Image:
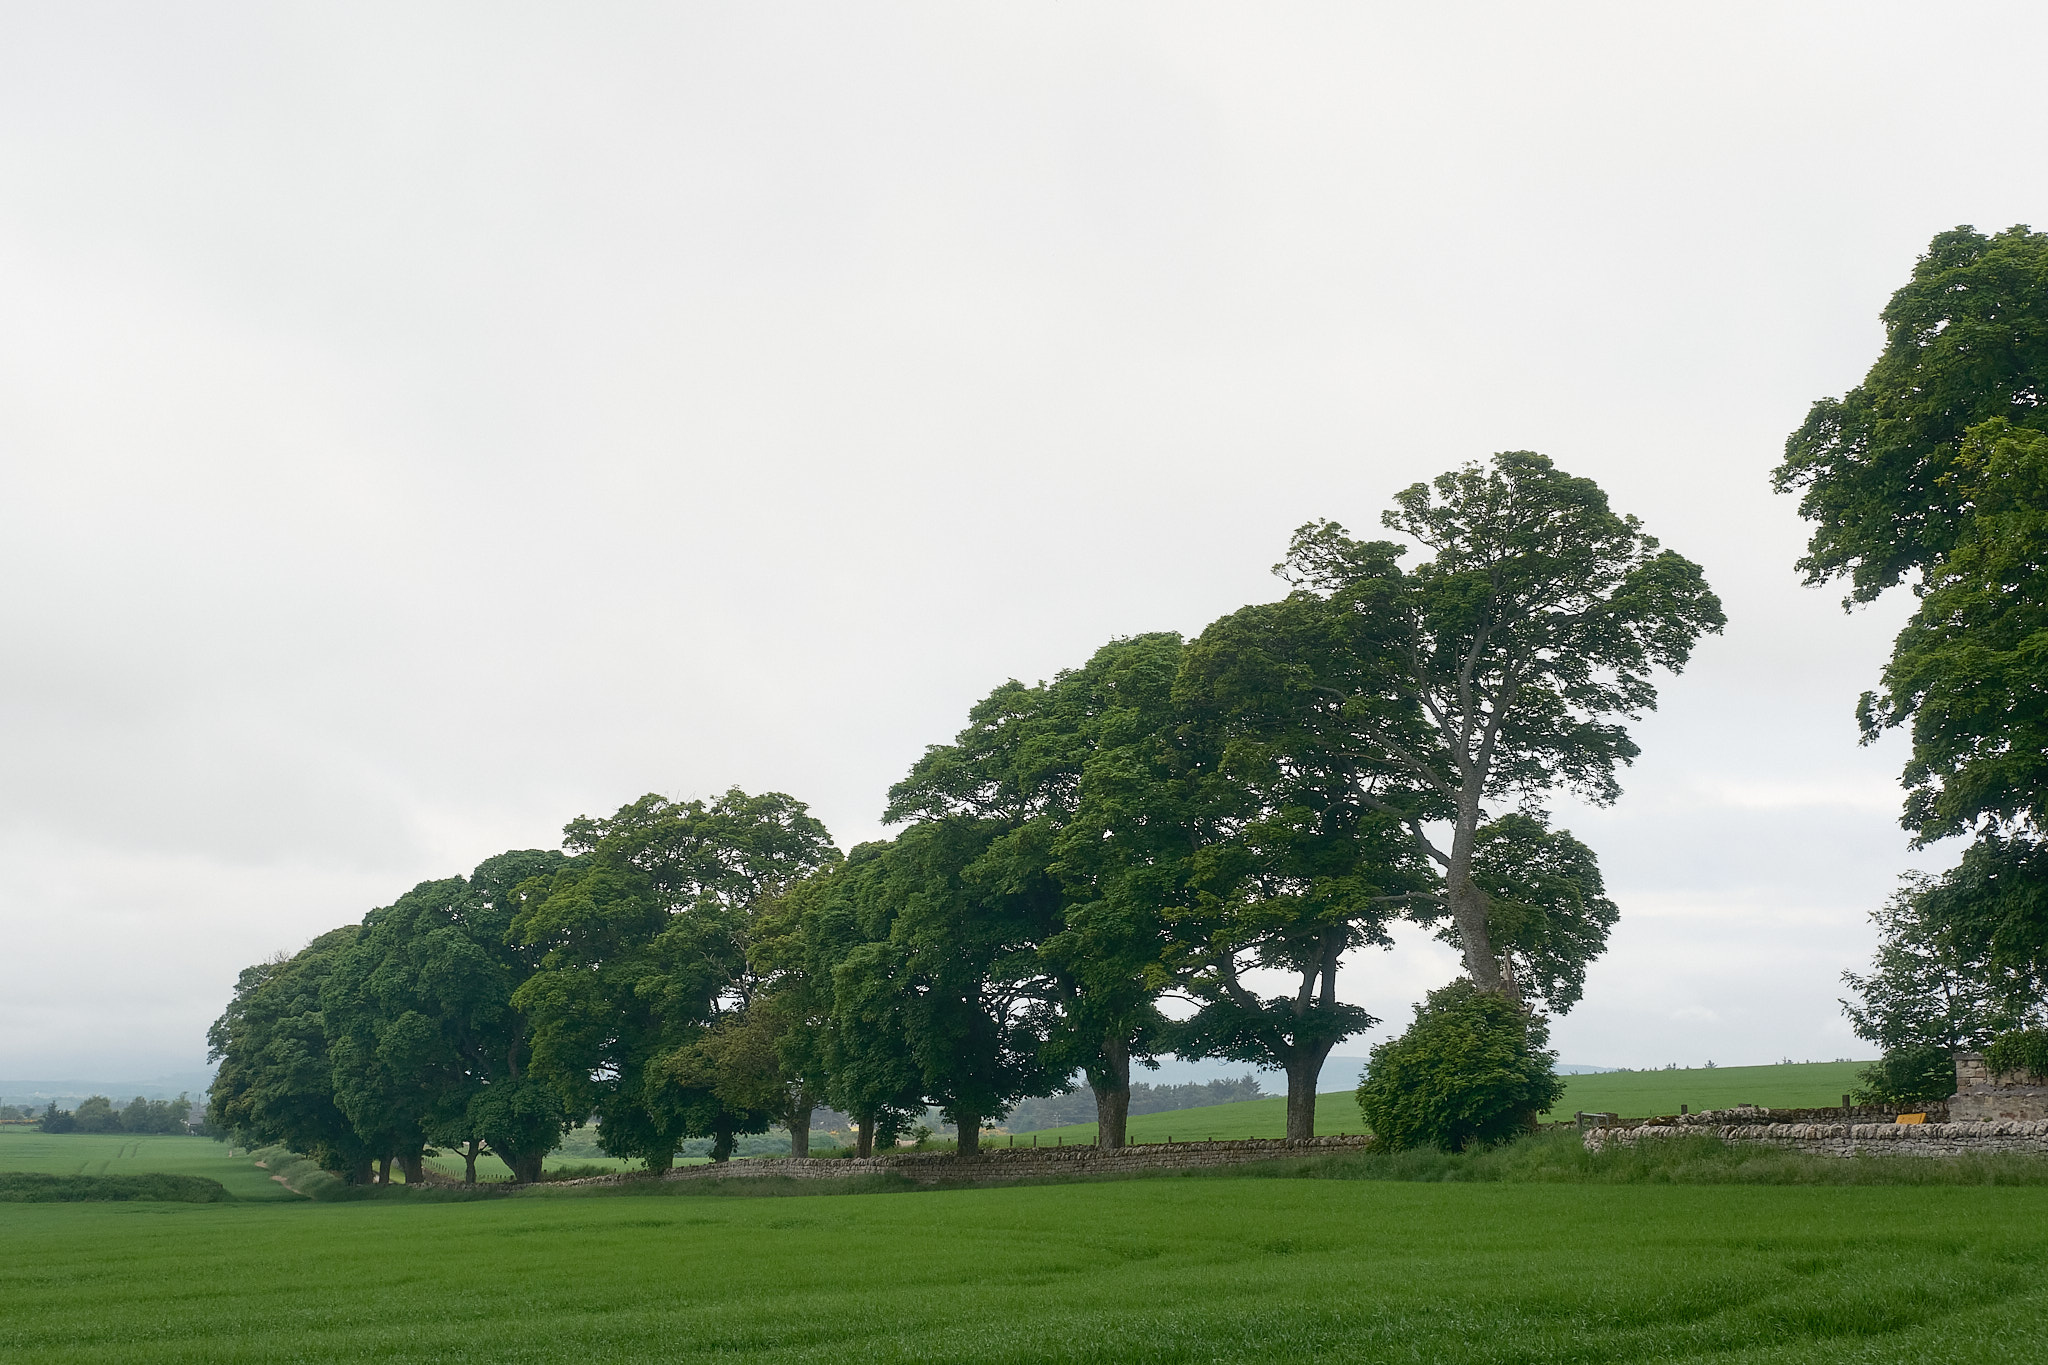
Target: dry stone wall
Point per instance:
(1848, 1139)
(1023, 1163)
(1005, 1163)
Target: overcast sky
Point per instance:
(422, 425)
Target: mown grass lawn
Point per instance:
(1174, 1269)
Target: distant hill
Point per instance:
(1632, 1094)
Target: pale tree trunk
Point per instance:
(1111, 1081)
(469, 1155)
(1468, 903)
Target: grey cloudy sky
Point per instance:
(424, 424)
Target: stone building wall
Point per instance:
(1984, 1095)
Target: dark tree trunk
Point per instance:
(967, 1134)
(359, 1172)
(864, 1136)
(527, 1167)
(1303, 1070)
(1111, 1080)
(800, 1131)
(384, 1169)
(721, 1145)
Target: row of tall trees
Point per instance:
(1214, 822)
(1933, 474)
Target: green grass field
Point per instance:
(1163, 1270)
(116, 1154)
(1632, 1094)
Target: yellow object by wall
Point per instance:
(1912, 1118)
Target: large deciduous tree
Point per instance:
(1936, 466)
(827, 943)
(1038, 769)
(1969, 673)
(1290, 859)
(427, 1043)
(1502, 669)
(644, 971)
(959, 969)
(275, 1081)
(1966, 341)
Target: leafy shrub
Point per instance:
(1920, 1074)
(2023, 1051)
(1470, 1071)
(27, 1187)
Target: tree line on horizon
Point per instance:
(97, 1114)
(1933, 474)
(1218, 819)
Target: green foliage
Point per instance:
(1471, 1070)
(1061, 776)
(1969, 672)
(1932, 988)
(1966, 342)
(957, 971)
(276, 1077)
(23, 1187)
(1913, 1073)
(425, 1042)
(2022, 1052)
(642, 949)
(1504, 667)
(96, 1114)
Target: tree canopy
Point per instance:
(1966, 342)
(1173, 846)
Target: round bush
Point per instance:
(1921, 1074)
(1470, 1071)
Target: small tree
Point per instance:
(1929, 987)
(1471, 1070)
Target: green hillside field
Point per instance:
(123, 1154)
(1632, 1094)
(1153, 1271)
